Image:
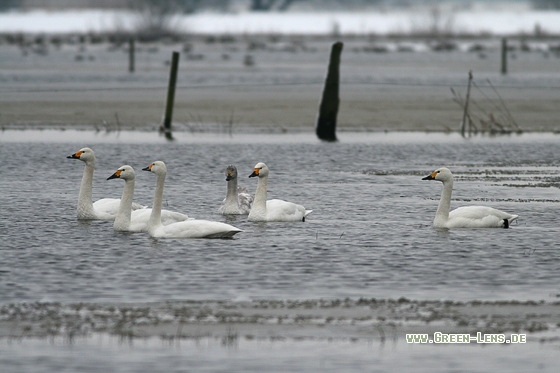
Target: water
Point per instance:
(369, 235)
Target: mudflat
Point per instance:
(275, 84)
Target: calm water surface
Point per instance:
(370, 234)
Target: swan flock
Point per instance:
(129, 216)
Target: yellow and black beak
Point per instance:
(149, 168)
(229, 176)
(431, 176)
(116, 175)
(75, 155)
(255, 172)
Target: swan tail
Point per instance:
(508, 221)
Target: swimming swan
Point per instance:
(184, 229)
(103, 209)
(274, 209)
(137, 220)
(238, 201)
(467, 216)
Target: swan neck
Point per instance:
(122, 220)
(155, 216)
(442, 214)
(231, 190)
(85, 202)
(258, 210)
(260, 194)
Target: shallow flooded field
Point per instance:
(369, 236)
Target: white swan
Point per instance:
(103, 209)
(184, 229)
(238, 201)
(274, 209)
(467, 216)
(137, 220)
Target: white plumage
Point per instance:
(103, 209)
(137, 220)
(192, 228)
(467, 216)
(238, 201)
(274, 209)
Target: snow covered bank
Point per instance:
(396, 21)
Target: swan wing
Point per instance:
(139, 219)
(107, 208)
(137, 206)
(245, 200)
(195, 228)
(478, 217)
(279, 210)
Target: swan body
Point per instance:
(137, 220)
(103, 209)
(238, 201)
(274, 209)
(193, 228)
(466, 216)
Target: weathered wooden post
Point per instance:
(504, 56)
(131, 55)
(328, 108)
(166, 126)
(466, 116)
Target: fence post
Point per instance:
(328, 108)
(466, 116)
(504, 56)
(131, 55)
(166, 127)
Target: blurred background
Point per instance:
(262, 63)
(399, 16)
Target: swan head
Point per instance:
(84, 154)
(442, 174)
(124, 172)
(231, 172)
(157, 167)
(260, 170)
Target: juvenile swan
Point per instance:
(238, 201)
(467, 216)
(274, 209)
(137, 220)
(184, 229)
(104, 209)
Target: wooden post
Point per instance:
(131, 55)
(466, 117)
(504, 56)
(166, 127)
(328, 108)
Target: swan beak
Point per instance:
(116, 175)
(149, 168)
(431, 176)
(75, 155)
(255, 172)
(229, 176)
